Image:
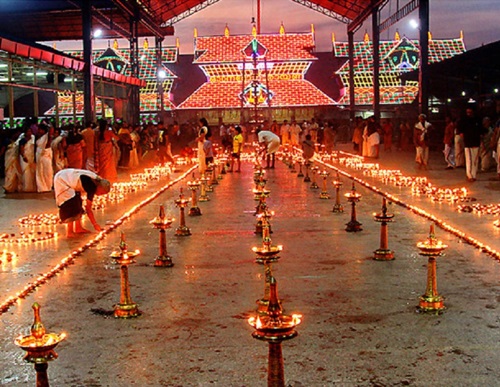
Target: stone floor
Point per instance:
(359, 323)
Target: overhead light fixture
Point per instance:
(97, 33)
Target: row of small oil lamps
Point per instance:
(69, 259)
(26, 238)
(480, 209)
(38, 220)
(439, 222)
(419, 185)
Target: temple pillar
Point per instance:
(88, 78)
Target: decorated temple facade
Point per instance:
(397, 57)
(255, 77)
(118, 60)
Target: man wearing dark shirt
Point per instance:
(470, 128)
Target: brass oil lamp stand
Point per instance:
(262, 205)
(260, 184)
(266, 255)
(193, 186)
(300, 174)
(383, 253)
(431, 301)
(162, 223)
(208, 185)
(215, 168)
(324, 191)
(314, 171)
(182, 203)
(275, 327)
(126, 308)
(353, 197)
(337, 207)
(263, 219)
(203, 193)
(222, 168)
(307, 178)
(39, 347)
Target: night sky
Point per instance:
(479, 19)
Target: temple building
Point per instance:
(397, 56)
(255, 77)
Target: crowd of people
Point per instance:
(34, 154)
(470, 141)
(31, 156)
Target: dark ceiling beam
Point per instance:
(108, 22)
(177, 14)
(143, 15)
(365, 14)
(323, 10)
(400, 13)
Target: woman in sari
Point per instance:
(44, 170)
(134, 153)
(57, 145)
(27, 161)
(75, 145)
(203, 134)
(12, 167)
(106, 146)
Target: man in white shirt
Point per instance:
(269, 143)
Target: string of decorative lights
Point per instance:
(70, 258)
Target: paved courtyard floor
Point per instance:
(359, 325)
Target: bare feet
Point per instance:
(81, 231)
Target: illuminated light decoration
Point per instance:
(256, 94)
(112, 60)
(149, 101)
(396, 57)
(70, 258)
(228, 64)
(65, 101)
